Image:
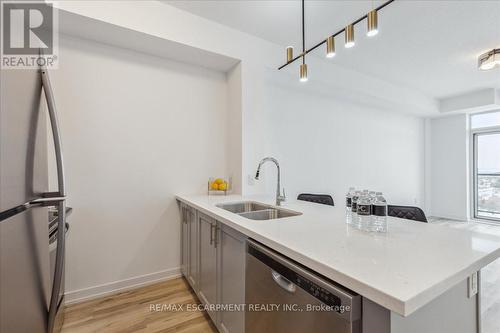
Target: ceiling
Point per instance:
(430, 46)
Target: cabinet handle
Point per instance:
(216, 238)
(211, 233)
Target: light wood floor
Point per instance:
(130, 312)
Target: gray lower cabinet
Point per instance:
(231, 280)
(207, 287)
(213, 262)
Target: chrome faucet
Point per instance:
(279, 198)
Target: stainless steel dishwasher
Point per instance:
(282, 296)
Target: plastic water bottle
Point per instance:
(354, 202)
(354, 208)
(348, 205)
(348, 199)
(379, 213)
(364, 211)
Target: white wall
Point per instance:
(448, 189)
(326, 145)
(137, 130)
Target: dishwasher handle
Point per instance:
(283, 282)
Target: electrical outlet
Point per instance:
(472, 285)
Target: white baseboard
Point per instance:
(106, 289)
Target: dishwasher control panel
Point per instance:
(320, 293)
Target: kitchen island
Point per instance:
(402, 274)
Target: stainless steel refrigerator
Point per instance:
(30, 296)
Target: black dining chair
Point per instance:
(323, 199)
(407, 212)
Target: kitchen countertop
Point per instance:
(402, 269)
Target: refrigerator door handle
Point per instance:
(55, 198)
(48, 201)
(49, 96)
(59, 266)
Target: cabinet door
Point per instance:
(192, 260)
(208, 261)
(184, 241)
(231, 278)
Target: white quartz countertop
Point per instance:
(402, 269)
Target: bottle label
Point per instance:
(379, 210)
(364, 209)
(354, 206)
(348, 202)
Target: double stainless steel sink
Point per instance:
(257, 211)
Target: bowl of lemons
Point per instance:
(219, 185)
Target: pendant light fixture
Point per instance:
(330, 47)
(349, 36)
(289, 53)
(489, 60)
(372, 30)
(303, 67)
(372, 23)
(303, 73)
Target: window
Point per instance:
(486, 160)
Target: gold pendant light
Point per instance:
(303, 67)
(349, 36)
(330, 47)
(289, 53)
(303, 73)
(372, 23)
